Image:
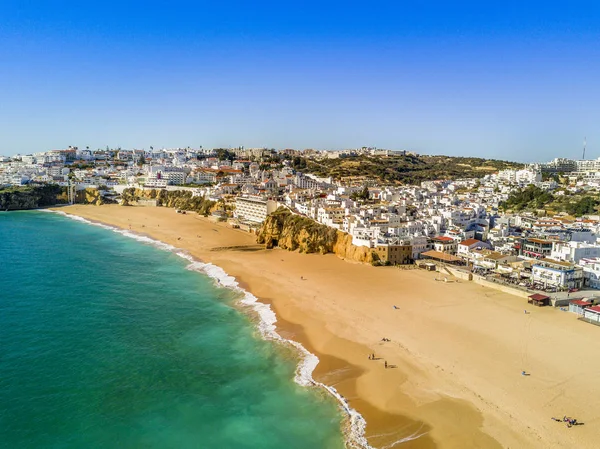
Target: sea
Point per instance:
(113, 340)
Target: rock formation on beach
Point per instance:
(295, 232)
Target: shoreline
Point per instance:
(339, 311)
(268, 326)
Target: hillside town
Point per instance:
(459, 223)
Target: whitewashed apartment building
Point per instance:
(253, 209)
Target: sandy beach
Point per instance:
(456, 349)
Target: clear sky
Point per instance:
(512, 80)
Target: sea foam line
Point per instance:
(355, 433)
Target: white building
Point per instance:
(156, 182)
(175, 176)
(523, 177)
(588, 165)
(561, 275)
(591, 272)
(419, 245)
(467, 245)
(331, 216)
(574, 251)
(592, 313)
(159, 173)
(253, 208)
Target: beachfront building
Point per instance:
(557, 274)
(490, 260)
(591, 272)
(592, 314)
(253, 209)
(441, 257)
(578, 306)
(444, 244)
(468, 245)
(399, 253)
(419, 245)
(538, 300)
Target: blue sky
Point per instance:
(508, 80)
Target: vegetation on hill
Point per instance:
(407, 169)
(179, 199)
(224, 154)
(32, 197)
(583, 206)
(533, 198)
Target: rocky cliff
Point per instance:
(295, 232)
(179, 199)
(91, 196)
(346, 250)
(31, 197)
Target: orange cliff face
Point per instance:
(294, 232)
(346, 250)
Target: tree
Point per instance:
(298, 163)
(224, 154)
(531, 197)
(362, 195)
(586, 205)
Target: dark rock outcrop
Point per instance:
(32, 197)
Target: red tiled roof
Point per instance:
(441, 256)
(594, 309)
(538, 297)
(470, 242)
(580, 302)
(444, 239)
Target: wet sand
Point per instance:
(456, 351)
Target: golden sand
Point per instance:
(456, 351)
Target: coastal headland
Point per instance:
(455, 351)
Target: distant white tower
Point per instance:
(584, 145)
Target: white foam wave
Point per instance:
(357, 424)
(355, 432)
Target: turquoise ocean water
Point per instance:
(106, 342)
